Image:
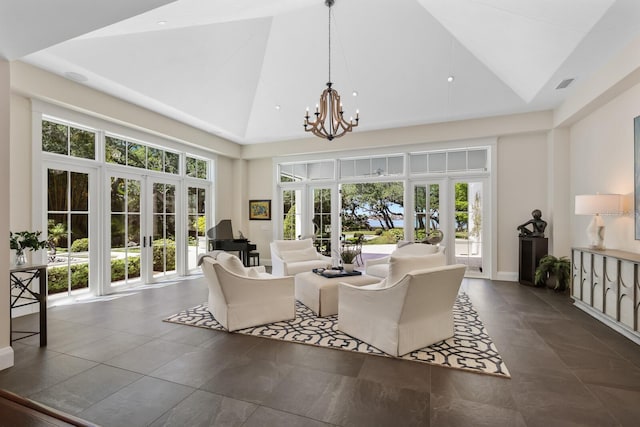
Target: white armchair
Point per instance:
(406, 315)
(379, 267)
(290, 257)
(241, 297)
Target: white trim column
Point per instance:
(6, 352)
(558, 202)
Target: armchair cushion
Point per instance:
(377, 270)
(232, 263)
(401, 265)
(415, 249)
(299, 255)
(290, 257)
(379, 267)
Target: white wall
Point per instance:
(260, 188)
(224, 189)
(32, 82)
(522, 187)
(6, 352)
(602, 160)
(19, 199)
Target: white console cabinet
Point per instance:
(605, 285)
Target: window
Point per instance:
(471, 160)
(372, 167)
(196, 168)
(141, 235)
(142, 156)
(312, 171)
(67, 140)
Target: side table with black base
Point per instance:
(21, 277)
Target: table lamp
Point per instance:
(597, 205)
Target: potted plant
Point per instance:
(553, 271)
(22, 240)
(348, 256)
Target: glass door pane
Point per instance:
(196, 225)
(322, 219)
(426, 213)
(125, 235)
(469, 226)
(67, 230)
(164, 229)
(372, 214)
(291, 214)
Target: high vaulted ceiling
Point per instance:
(224, 65)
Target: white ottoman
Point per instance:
(320, 293)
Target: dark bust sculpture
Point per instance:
(537, 225)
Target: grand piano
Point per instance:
(221, 238)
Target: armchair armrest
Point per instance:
(236, 288)
(381, 304)
(375, 261)
(325, 258)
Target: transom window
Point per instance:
(58, 138)
(308, 171)
(138, 155)
(196, 168)
(471, 160)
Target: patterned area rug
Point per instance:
(470, 348)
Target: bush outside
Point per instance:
(80, 245)
(158, 255)
(58, 276)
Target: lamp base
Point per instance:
(595, 233)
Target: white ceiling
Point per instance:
(224, 65)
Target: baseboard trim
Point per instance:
(507, 276)
(6, 357)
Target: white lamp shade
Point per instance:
(602, 204)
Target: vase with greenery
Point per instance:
(23, 240)
(553, 271)
(348, 256)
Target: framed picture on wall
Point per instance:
(260, 209)
(636, 174)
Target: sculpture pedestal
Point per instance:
(532, 249)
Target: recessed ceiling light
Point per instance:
(277, 107)
(450, 79)
(76, 77)
(162, 22)
(354, 93)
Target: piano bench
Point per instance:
(254, 258)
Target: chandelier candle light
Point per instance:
(329, 122)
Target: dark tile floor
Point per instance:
(117, 364)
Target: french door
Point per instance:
(428, 219)
(322, 227)
(141, 231)
(291, 211)
(197, 202)
(72, 238)
(470, 219)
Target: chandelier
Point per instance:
(329, 122)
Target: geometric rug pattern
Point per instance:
(470, 348)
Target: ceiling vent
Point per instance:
(563, 84)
